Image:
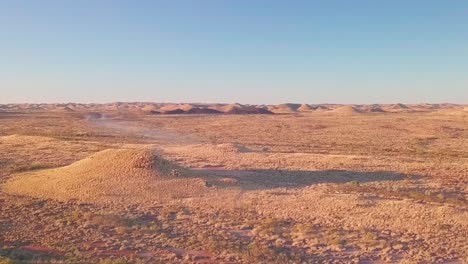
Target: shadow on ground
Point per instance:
(21, 252)
(268, 179)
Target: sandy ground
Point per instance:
(344, 184)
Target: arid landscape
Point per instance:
(233, 183)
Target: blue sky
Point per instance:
(234, 51)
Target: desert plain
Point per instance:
(232, 183)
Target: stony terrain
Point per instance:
(177, 183)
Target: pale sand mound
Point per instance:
(187, 109)
(322, 108)
(305, 108)
(231, 108)
(284, 108)
(377, 109)
(172, 107)
(347, 110)
(61, 109)
(122, 176)
(202, 110)
(193, 110)
(397, 108)
(149, 108)
(237, 109)
(373, 109)
(453, 112)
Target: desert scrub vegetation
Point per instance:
(169, 212)
(231, 236)
(28, 167)
(127, 261)
(269, 240)
(414, 193)
(120, 261)
(370, 240)
(271, 226)
(119, 222)
(6, 260)
(24, 256)
(260, 253)
(303, 231)
(256, 251)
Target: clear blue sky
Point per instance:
(234, 51)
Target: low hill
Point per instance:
(305, 108)
(124, 176)
(347, 110)
(284, 108)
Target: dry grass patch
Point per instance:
(415, 193)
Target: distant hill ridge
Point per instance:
(230, 109)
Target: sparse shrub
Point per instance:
(180, 215)
(441, 196)
(407, 181)
(76, 215)
(259, 252)
(88, 216)
(168, 213)
(383, 243)
(279, 242)
(269, 226)
(113, 261)
(457, 201)
(29, 167)
(369, 239)
(337, 241)
(110, 220)
(5, 260)
(354, 183)
(229, 181)
(303, 230)
(445, 226)
(121, 230)
(369, 236)
(175, 173)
